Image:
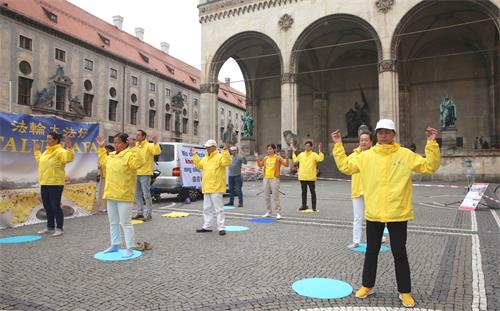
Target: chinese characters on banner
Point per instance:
(20, 202)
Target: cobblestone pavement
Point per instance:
(454, 258)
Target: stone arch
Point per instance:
(299, 43)
(449, 48)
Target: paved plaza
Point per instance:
(454, 259)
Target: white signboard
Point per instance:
(191, 176)
(473, 197)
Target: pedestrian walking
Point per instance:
(51, 175)
(308, 172)
(235, 182)
(386, 177)
(121, 168)
(213, 184)
(272, 163)
(146, 151)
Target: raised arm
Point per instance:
(154, 148)
(69, 154)
(432, 159)
(196, 159)
(260, 162)
(36, 151)
(343, 164)
(135, 160)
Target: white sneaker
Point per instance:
(58, 232)
(384, 239)
(267, 215)
(46, 231)
(278, 216)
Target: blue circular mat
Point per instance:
(263, 220)
(236, 228)
(362, 248)
(20, 239)
(116, 256)
(322, 288)
(386, 231)
(229, 207)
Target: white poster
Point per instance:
(191, 176)
(473, 197)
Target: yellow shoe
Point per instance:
(407, 300)
(364, 292)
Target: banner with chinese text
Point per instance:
(20, 202)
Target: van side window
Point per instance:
(167, 153)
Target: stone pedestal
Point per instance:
(448, 140)
(247, 145)
(350, 143)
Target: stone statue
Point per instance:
(448, 113)
(178, 100)
(290, 138)
(43, 97)
(229, 136)
(76, 106)
(247, 125)
(358, 116)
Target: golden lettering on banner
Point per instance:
(37, 128)
(54, 129)
(82, 133)
(20, 127)
(69, 132)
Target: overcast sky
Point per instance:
(172, 21)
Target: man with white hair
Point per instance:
(213, 183)
(235, 181)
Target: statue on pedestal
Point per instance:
(447, 113)
(247, 125)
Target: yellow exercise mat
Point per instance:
(136, 221)
(309, 211)
(175, 214)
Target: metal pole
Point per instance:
(123, 98)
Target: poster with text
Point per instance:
(191, 176)
(20, 202)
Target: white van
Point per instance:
(169, 179)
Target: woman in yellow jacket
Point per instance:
(51, 164)
(213, 183)
(358, 205)
(271, 181)
(119, 191)
(385, 172)
(308, 172)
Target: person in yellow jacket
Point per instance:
(121, 168)
(308, 172)
(51, 173)
(101, 202)
(147, 152)
(358, 205)
(385, 172)
(271, 181)
(213, 183)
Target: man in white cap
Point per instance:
(213, 183)
(235, 181)
(386, 177)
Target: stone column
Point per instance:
(388, 91)
(208, 111)
(404, 115)
(289, 105)
(320, 119)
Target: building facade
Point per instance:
(56, 58)
(313, 66)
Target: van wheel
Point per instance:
(193, 194)
(156, 197)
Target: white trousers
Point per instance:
(120, 214)
(213, 202)
(358, 208)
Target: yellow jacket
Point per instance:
(308, 164)
(356, 187)
(213, 175)
(385, 172)
(277, 164)
(51, 164)
(147, 151)
(121, 173)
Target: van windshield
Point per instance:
(167, 153)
